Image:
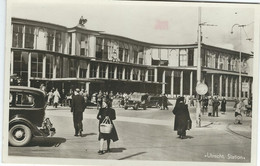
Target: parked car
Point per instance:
(154, 101)
(27, 115)
(136, 100)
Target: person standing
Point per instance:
(50, 96)
(77, 108)
(223, 106)
(238, 109)
(99, 99)
(56, 99)
(182, 118)
(106, 113)
(215, 104)
(164, 102)
(63, 97)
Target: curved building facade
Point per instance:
(67, 58)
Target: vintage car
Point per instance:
(154, 101)
(136, 100)
(27, 115)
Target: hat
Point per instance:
(77, 90)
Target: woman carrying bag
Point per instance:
(106, 115)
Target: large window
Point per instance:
(59, 67)
(73, 66)
(120, 54)
(29, 37)
(36, 65)
(58, 42)
(99, 48)
(107, 48)
(126, 55)
(111, 71)
(21, 64)
(141, 55)
(17, 35)
(119, 72)
(93, 70)
(135, 74)
(142, 75)
(151, 75)
(83, 69)
(102, 70)
(190, 57)
(50, 38)
(135, 57)
(183, 58)
(49, 66)
(127, 73)
(84, 45)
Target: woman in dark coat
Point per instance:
(182, 117)
(223, 106)
(106, 112)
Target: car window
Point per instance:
(24, 100)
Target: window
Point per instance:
(190, 57)
(151, 75)
(107, 48)
(23, 100)
(49, 66)
(142, 75)
(221, 62)
(58, 42)
(17, 36)
(135, 74)
(102, 71)
(50, 37)
(59, 67)
(36, 65)
(83, 69)
(183, 58)
(141, 55)
(119, 72)
(99, 48)
(73, 68)
(21, 64)
(111, 71)
(126, 55)
(120, 54)
(29, 37)
(93, 70)
(135, 57)
(70, 43)
(84, 45)
(127, 73)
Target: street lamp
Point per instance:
(240, 58)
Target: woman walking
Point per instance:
(56, 95)
(182, 118)
(223, 106)
(106, 113)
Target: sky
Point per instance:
(153, 22)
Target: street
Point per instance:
(145, 135)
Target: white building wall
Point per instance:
(92, 46)
(148, 56)
(41, 39)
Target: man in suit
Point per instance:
(215, 105)
(77, 108)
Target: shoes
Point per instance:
(100, 152)
(108, 150)
(80, 133)
(76, 135)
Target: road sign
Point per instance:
(201, 89)
(245, 87)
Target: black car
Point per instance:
(27, 115)
(136, 100)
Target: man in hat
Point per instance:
(77, 108)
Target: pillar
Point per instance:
(172, 83)
(106, 76)
(220, 85)
(231, 87)
(191, 82)
(163, 82)
(88, 70)
(29, 68)
(54, 39)
(155, 75)
(226, 89)
(123, 73)
(23, 37)
(35, 40)
(87, 87)
(97, 76)
(12, 62)
(78, 71)
(131, 74)
(212, 84)
(55, 67)
(115, 73)
(236, 84)
(73, 44)
(139, 75)
(181, 84)
(44, 67)
(146, 75)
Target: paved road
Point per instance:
(145, 135)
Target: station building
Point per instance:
(74, 57)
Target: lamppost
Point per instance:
(240, 59)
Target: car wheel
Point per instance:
(136, 107)
(126, 107)
(20, 135)
(144, 107)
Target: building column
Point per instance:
(12, 63)
(131, 74)
(249, 84)
(212, 85)
(231, 87)
(29, 68)
(163, 82)
(155, 75)
(243, 93)
(44, 67)
(23, 37)
(97, 76)
(123, 73)
(172, 83)
(73, 44)
(87, 87)
(78, 70)
(115, 73)
(191, 82)
(220, 85)
(236, 84)
(181, 84)
(88, 70)
(146, 75)
(139, 75)
(54, 39)
(226, 89)
(106, 76)
(35, 39)
(55, 68)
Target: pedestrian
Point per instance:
(69, 97)
(50, 96)
(99, 100)
(77, 108)
(215, 104)
(56, 98)
(238, 109)
(205, 102)
(182, 118)
(111, 98)
(192, 101)
(106, 113)
(63, 97)
(223, 106)
(164, 102)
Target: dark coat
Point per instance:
(223, 105)
(182, 116)
(215, 104)
(103, 112)
(164, 100)
(78, 106)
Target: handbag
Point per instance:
(106, 126)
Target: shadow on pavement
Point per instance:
(133, 155)
(47, 141)
(117, 150)
(87, 134)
